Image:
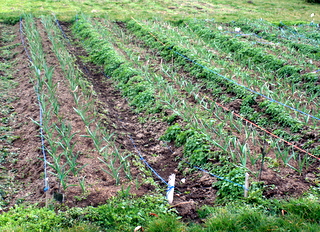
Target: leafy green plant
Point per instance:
(197, 149)
(32, 218)
(172, 133)
(137, 211)
(229, 191)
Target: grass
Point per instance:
(274, 215)
(127, 212)
(272, 10)
(253, 219)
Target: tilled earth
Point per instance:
(117, 117)
(131, 136)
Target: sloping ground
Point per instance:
(24, 167)
(144, 138)
(289, 182)
(271, 10)
(27, 169)
(136, 134)
(28, 165)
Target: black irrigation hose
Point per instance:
(211, 174)
(131, 139)
(64, 34)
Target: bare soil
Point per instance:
(117, 117)
(114, 113)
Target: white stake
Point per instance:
(170, 191)
(246, 185)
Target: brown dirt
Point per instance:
(28, 166)
(116, 116)
(234, 105)
(124, 122)
(288, 182)
(192, 190)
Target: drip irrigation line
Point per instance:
(237, 34)
(230, 80)
(63, 33)
(268, 43)
(294, 32)
(85, 69)
(145, 162)
(46, 180)
(311, 24)
(205, 171)
(148, 165)
(219, 177)
(263, 129)
(310, 41)
(105, 75)
(268, 132)
(46, 184)
(253, 42)
(22, 40)
(201, 169)
(253, 91)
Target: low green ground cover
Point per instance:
(272, 10)
(125, 212)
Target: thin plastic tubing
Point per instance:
(46, 182)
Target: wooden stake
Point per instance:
(47, 198)
(262, 160)
(182, 203)
(170, 191)
(246, 185)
